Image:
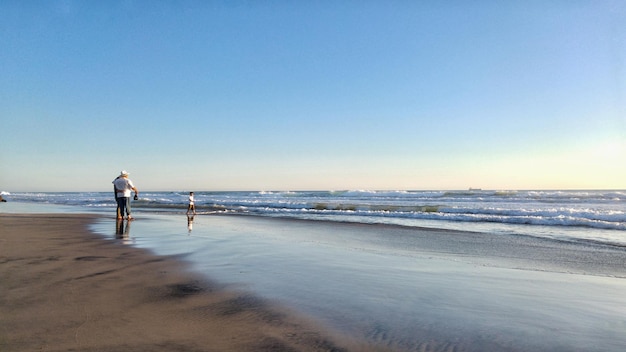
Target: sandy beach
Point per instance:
(64, 289)
(241, 283)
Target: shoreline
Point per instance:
(246, 283)
(410, 289)
(66, 288)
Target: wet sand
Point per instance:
(66, 289)
(410, 289)
(375, 287)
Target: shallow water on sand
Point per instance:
(386, 286)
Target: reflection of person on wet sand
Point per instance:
(189, 223)
(122, 232)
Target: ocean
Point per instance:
(570, 215)
(473, 270)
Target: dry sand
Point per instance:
(65, 289)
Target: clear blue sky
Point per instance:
(294, 95)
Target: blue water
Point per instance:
(572, 215)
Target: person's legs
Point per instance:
(128, 207)
(123, 201)
(120, 207)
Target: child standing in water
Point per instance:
(192, 206)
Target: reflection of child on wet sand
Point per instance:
(192, 206)
(189, 223)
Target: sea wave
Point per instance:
(430, 213)
(590, 209)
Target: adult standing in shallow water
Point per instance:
(123, 187)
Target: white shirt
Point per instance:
(124, 186)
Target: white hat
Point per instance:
(123, 173)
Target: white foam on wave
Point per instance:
(493, 209)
